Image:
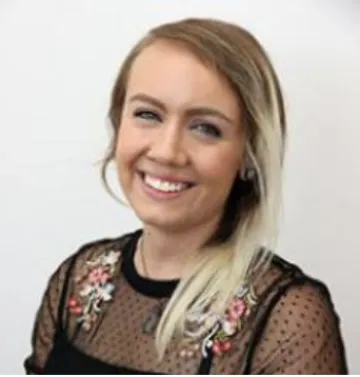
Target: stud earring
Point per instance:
(247, 174)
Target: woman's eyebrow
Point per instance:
(193, 111)
(142, 97)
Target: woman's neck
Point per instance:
(167, 255)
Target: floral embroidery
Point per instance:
(95, 287)
(218, 340)
(239, 308)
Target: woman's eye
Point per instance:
(208, 129)
(146, 115)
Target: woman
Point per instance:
(199, 134)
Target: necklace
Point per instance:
(153, 318)
(143, 261)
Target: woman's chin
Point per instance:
(163, 219)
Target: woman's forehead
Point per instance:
(173, 74)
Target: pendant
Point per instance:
(152, 320)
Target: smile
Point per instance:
(163, 189)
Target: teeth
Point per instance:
(164, 185)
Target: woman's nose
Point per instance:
(168, 146)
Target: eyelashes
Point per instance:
(147, 115)
(208, 129)
(204, 128)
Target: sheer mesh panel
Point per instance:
(301, 335)
(292, 330)
(46, 321)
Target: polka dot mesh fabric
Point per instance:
(292, 330)
(301, 335)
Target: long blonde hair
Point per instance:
(239, 251)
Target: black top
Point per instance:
(98, 316)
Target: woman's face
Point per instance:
(180, 141)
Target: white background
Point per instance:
(58, 60)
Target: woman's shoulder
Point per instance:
(297, 324)
(102, 246)
(287, 282)
(102, 252)
(282, 272)
(96, 248)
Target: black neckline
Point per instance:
(145, 286)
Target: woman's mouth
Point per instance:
(160, 188)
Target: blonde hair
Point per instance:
(239, 251)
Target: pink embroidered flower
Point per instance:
(98, 276)
(74, 306)
(219, 339)
(94, 287)
(216, 348)
(236, 309)
(219, 347)
(226, 346)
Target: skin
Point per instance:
(167, 129)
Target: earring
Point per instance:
(247, 174)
